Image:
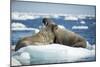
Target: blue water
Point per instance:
(89, 34)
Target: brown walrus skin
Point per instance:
(52, 34)
(45, 36)
(65, 36)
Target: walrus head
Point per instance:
(48, 21)
(49, 24)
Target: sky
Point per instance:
(38, 7)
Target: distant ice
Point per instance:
(79, 27)
(71, 18)
(56, 16)
(26, 16)
(23, 16)
(53, 53)
(30, 15)
(17, 25)
(20, 26)
(61, 26)
(82, 22)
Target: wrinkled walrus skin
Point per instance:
(45, 36)
(69, 38)
(65, 36)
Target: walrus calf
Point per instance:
(45, 36)
(65, 36)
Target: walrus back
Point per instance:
(43, 37)
(69, 38)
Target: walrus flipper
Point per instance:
(20, 45)
(80, 44)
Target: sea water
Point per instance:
(89, 33)
(54, 53)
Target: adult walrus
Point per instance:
(45, 36)
(65, 36)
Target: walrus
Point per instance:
(43, 37)
(65, 36)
